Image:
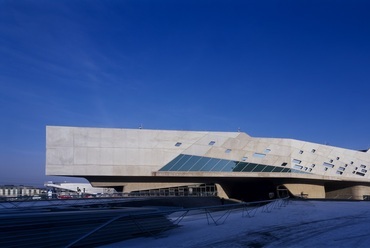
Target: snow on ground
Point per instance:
(302, 223)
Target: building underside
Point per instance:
(247, 189)
(242, 167)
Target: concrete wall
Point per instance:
(356, 192)
(306, 190)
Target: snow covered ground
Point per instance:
(301, 223)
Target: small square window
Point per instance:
(345, 165)
(313, 150)
(212, 143)
(227, 150)
(313, 165)
(331, 160)
(267, 151)
(351, 162)
(300, 152)
(326, 168)
(244, 158)
(178, 144)
(338, 158)
(284, 164)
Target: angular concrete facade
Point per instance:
(244, 167)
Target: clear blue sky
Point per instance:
(288, 69)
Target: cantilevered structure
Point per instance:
(242, 167)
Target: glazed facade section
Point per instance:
(188, 163)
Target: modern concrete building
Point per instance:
(240, 166)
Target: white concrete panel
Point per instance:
(80, 155)
(324, 150)
(111, 138)
(170, 135)
(227, 134)
(93, 155)
(256, 146)
(236, 143)
(59, 156)
(118, 156)
(279, 150)
(192, 137)
(59, 136)
(219, 139)
(297, 144)
(87, 137)
(106, 156)
(216, 152)
(235, 155)
(279, 141)
(219, 152)
(198, 150)
(148, 139)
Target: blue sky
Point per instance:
(289, 69)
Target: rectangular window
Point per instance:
(227, 150)
(341, 168)
(339, 172)
(178, 144)
(212, 143)
(297, 167)
(296, 161)
(259, 155)
(363, 170)
(360, 174)
(328, 165)
(284, 164)
(244, 158)
(362, 166)
(267, 151)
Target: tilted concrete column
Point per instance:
(306, 190)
